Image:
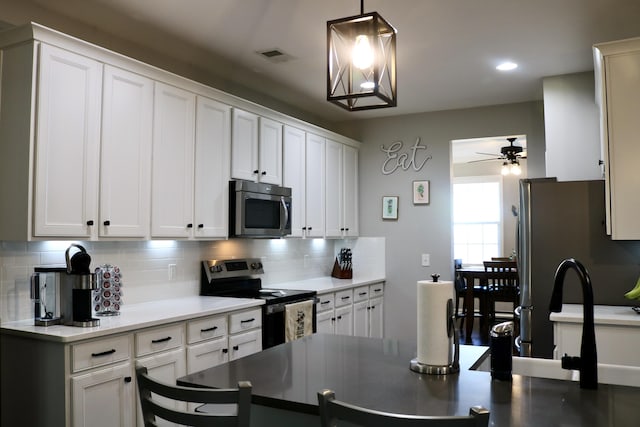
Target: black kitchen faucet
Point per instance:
(587, 363)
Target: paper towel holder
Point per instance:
(454, 366)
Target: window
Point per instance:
(477, 219)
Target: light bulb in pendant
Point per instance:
(362, 53)
(515, 169)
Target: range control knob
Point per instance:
(256, 265)
(215, 268)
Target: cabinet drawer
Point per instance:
(325, 302)
(159, 339)
(376, 290)
(206, 329)
(344, 297)
(244, 320)
(100, 353)
(361, 293)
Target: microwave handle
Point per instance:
(286, 214)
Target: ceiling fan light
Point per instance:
(505, 169)
(515, 168)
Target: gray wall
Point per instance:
(427, 228)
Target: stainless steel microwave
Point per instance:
(259, 210)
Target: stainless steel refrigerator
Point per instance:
(559, 220)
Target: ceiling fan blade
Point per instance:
(487, 154)
(485, 160)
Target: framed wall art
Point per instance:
(390, 207)
(420, 192)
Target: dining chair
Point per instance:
(238, 398)
(503, 286)
(480, 292)
(333, 411)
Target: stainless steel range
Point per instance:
(238, 278)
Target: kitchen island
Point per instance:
(375, 373)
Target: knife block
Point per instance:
(340, 273)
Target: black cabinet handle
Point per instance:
(345, 298)
(158, 341)
(347, 229)
(372, 307)
(127, 380)
(339, 317)
(304, 228)
(104, 353)
(90, 222)
(225, 350)
(200, 225)
(368, 308)
(333, 319)
(235, 348)
(209, 329)
(256, 171)
(324, 302)
(362, 293)
(310, 228)
(107, 223)
(248, 320)
(264, 172)
(189, 225)
(342, 229)
(377, 290)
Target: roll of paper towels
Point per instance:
(435, 347)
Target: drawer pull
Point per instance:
(344, 298)
(104, 353)
(161, 340)
(127, 380)
(362, 294)
(236, 348)
(209, 329)
(248, 320)
(325, 302)
(225, 350)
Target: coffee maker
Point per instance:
(62, 295)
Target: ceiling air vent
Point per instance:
(274, 55)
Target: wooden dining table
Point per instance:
(472, 276)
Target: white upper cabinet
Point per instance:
(270, 151)
(67, 144)
(617, 67)
(213, 144)
(293, 175)
(256, 148)
(342, 190)
(173, 162)
(125, 172)
(315, 186)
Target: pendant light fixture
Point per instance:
(361, 63)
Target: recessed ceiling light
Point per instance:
(507, 66)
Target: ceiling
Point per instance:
(447, 49)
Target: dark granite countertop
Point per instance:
(375, 373)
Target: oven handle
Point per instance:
(279, 307)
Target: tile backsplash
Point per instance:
(145, 265)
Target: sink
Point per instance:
(550, 368)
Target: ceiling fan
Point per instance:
(510, 153)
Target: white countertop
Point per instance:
(133, 316)
(324, 285)
(602, 314)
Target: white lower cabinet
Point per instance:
(104, 397)
(358, 312)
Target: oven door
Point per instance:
(273, 322)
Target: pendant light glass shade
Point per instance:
(361, 64)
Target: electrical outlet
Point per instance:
(172, 272)
(426, 260)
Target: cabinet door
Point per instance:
(172, 176)
(166, 367)
(245, 343)
(270, 152)
(207, 354)
(293, 175)
(104, 397)
(325, 322)
(623, 104)
(315, 186)
(350, 190)
(344, 320)
(244, 146)
(213, 144)
(125, 172)
(361, 319)
(333, 202)
(67, 144)
(376, 317)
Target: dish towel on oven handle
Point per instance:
(298, 320)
